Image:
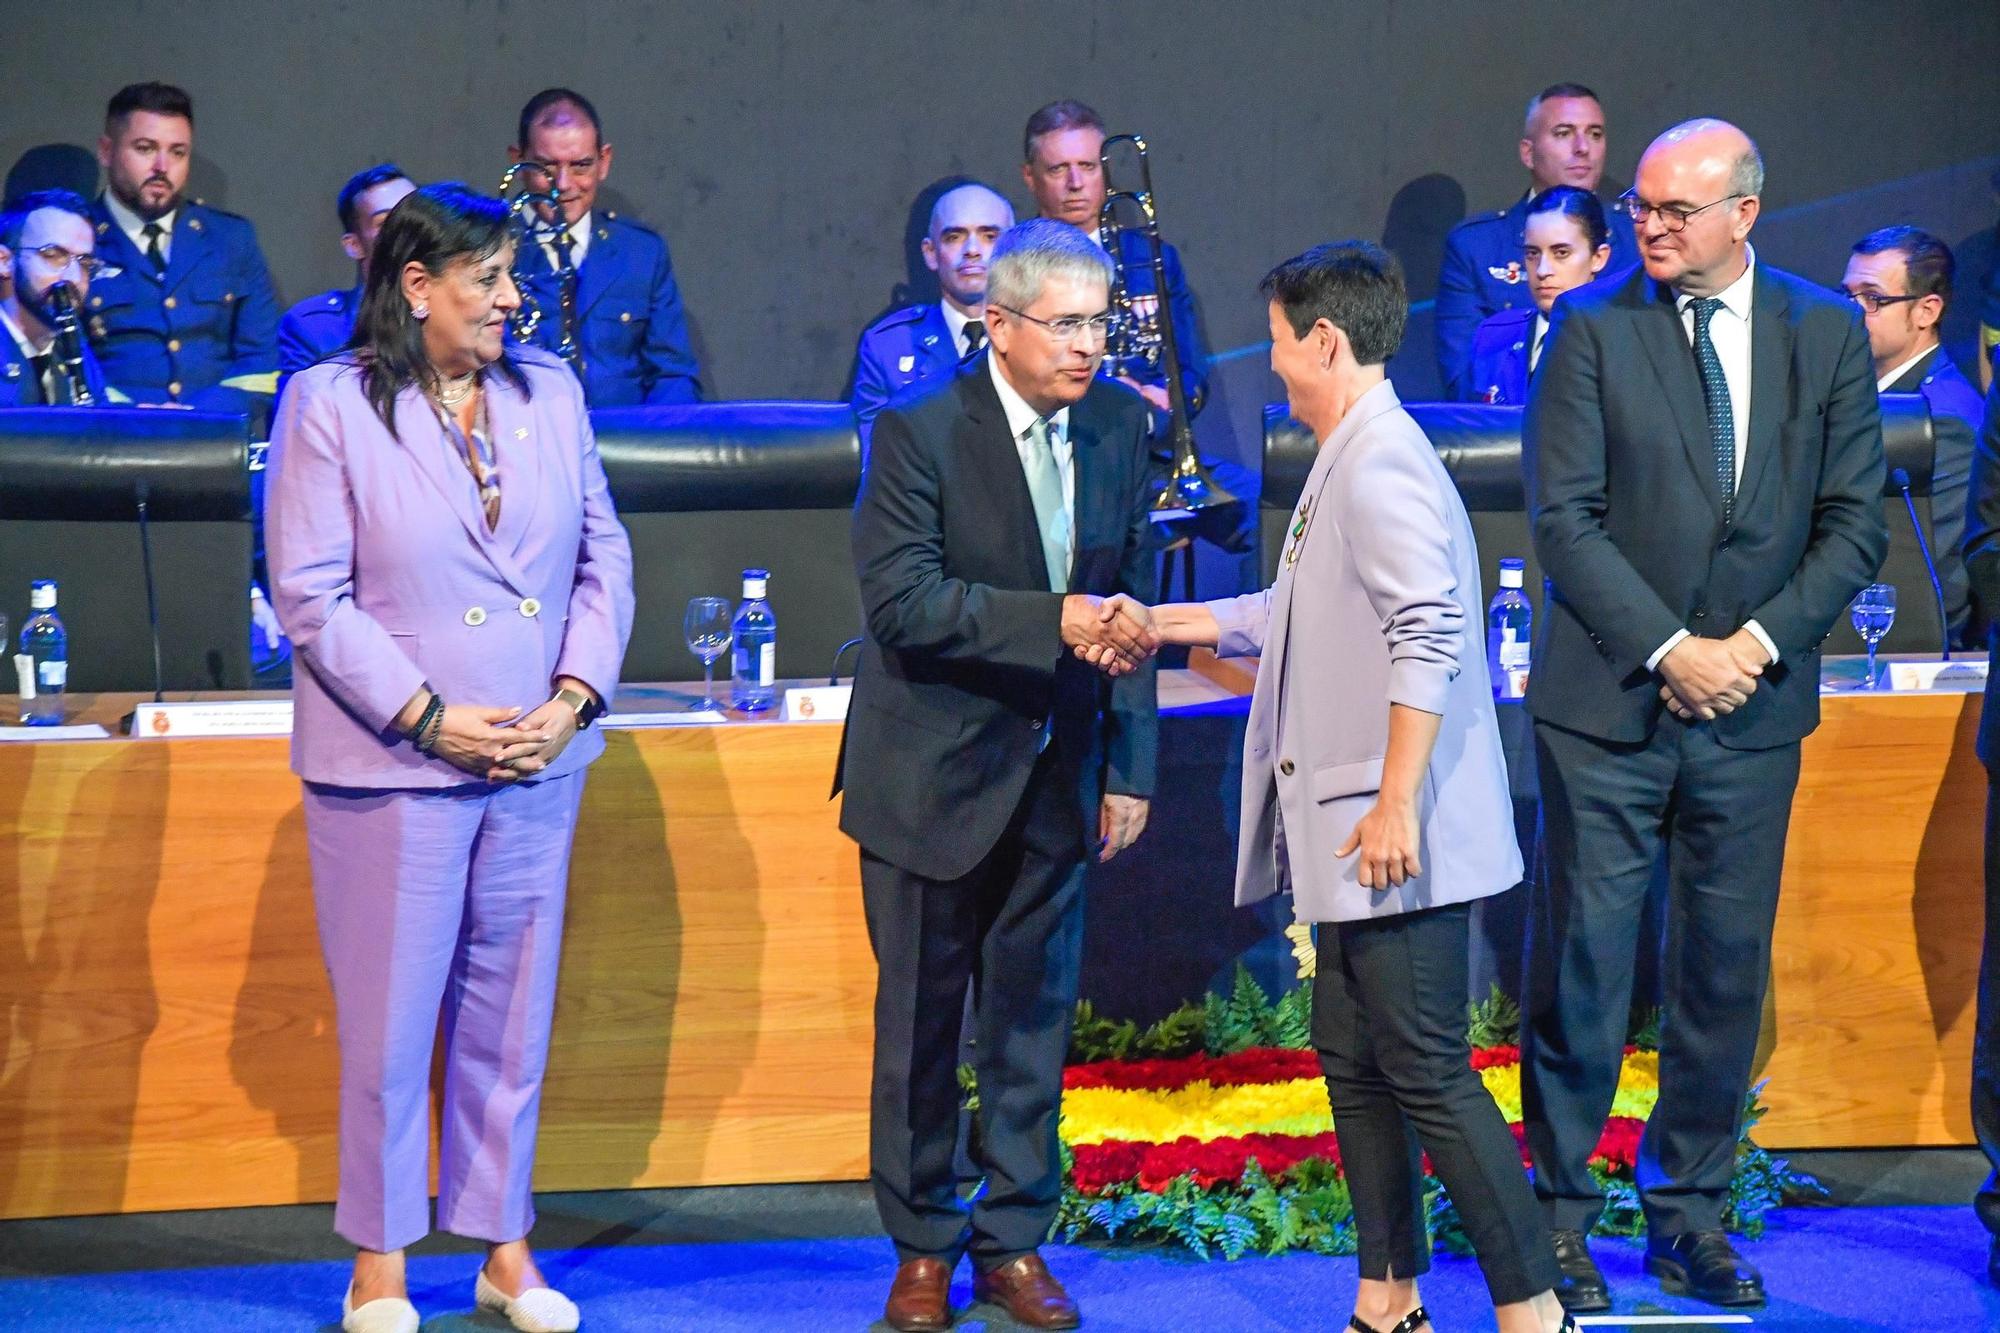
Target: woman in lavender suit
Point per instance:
(448, 564)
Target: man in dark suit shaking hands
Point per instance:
(1706, 474)
(983, 763)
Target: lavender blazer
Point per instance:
(386, 579)
(1382, 605)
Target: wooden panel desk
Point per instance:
(166, 1034)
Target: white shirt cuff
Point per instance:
(1763, 640)
(1653, 662)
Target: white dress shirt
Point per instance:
(1020, 420)
(579, 243)
(956, 320)
(1883, 382)
(134, 226)
(1729, 332)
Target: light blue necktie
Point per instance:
(1045, 487)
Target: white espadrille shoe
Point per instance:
(536, 1310)
(391, 1314)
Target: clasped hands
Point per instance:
(499, 744)
(1115, 634)
(1706, 678)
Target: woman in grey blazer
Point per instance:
(1374, 789)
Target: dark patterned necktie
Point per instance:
(1721, 416)
(153, 233)
(974, 331)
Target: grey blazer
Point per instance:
(1377, 602)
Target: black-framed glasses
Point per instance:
(1070, 327)
(59, 259)
(1873, 302)
(1675, 219)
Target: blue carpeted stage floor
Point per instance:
(1849, 1268)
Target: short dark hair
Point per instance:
(1068, 114)
(1356, 286)
(1582, 205)
(162, 99)
(1927, 261)
(359, 184)
(15, 219)
(548, 99)
(1559, 90)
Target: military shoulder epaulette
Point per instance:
(907, 315)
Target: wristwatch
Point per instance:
(587, 709)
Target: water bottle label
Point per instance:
(54, 675)
(767, 663)
(1514, 653)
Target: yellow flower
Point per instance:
(1638, 1085)
(1300, 934)
(1197, 1110)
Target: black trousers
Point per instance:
(1016, 924)
(1607, 809)
(1986, 1029)
(1389, 1024)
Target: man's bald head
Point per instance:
(965, 223)
(1700, 182)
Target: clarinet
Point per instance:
(71, 383)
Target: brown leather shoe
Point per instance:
(920, 1297)
(1029, 1293)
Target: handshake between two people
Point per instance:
(1115, 634)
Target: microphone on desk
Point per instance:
(833, 677)
(152, 593)
(1901, 479)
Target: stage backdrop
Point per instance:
(779, 145)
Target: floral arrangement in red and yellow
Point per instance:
(1211, 1128)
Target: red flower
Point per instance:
(1154, 1166)
(1257, 1065)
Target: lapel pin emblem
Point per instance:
(13, 370)
(520, 432)
(907, 364)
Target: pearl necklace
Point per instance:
(447, 398)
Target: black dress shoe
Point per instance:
(1582, 1288)
(1704, 1265)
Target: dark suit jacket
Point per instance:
(1982, 565)
(963, 664)
(1955, 413)
(1628, 519)
(630, 320)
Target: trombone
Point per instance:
(1144, 343)
(536, 208)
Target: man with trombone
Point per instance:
(604, 285)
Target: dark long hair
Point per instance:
(435, 226)
(1579, 204)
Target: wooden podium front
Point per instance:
(168, 1035)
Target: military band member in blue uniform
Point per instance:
(1901, 278)
(1562, 143)
(1061, 150)
(1565, 244)
(46, 238)
(920, 341)
(319, 326)
(631, 329)
(191, 317)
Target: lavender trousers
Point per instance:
(440, 903)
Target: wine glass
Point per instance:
(707, 630)
(1873, 612)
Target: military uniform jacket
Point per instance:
(315, 329)
(1955, 419)
(1135, 261)
(631, 325)
(895, 352)
(1499, 371)
(19, 386)
(206, 332)
(1483, 275)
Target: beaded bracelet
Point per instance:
(433, 712)
(429, 743)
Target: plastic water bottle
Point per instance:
(753, 684)
(43, 664)
(1508, 617)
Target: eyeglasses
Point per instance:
(60, 259)
(1675, 219)
(1873, 302)
(1070, 327)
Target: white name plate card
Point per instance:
(233, 717)
(820, 703)
(643, 721)
(1966, 673)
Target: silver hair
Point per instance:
(1746, 173)
(1027, 255)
